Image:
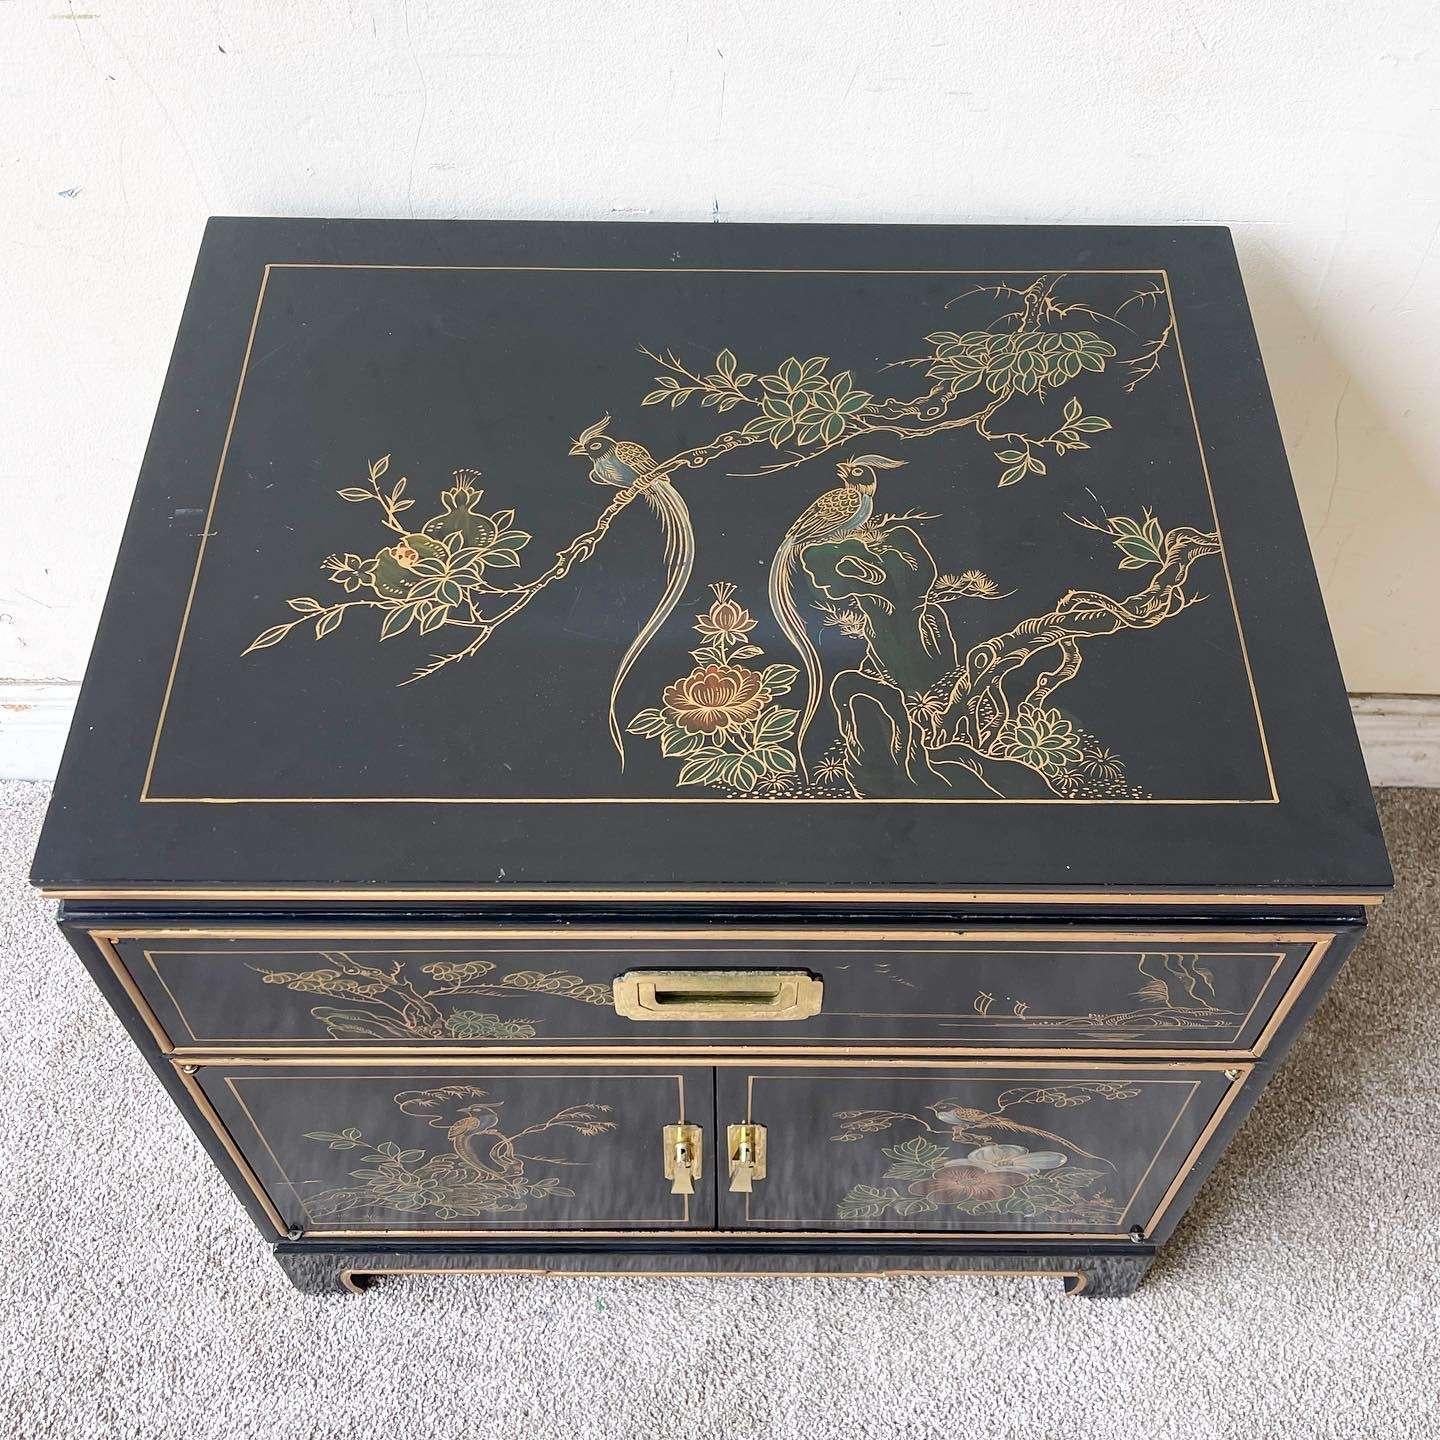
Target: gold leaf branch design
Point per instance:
(977, 687)
(1021, 352)
(580, 549)
(389, 501)
(384, 1000)
(820, 410)
(483, 1171)
(1066, 1095)
(1144, 365)
(576, 552)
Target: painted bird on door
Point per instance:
(970, 1126)
(836, 515)
(620, 463)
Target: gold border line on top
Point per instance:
(146, 797)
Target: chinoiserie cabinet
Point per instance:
(907, 839)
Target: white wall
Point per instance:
(1311, 128)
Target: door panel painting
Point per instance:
(403, 1149)
(968, 1149)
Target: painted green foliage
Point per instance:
(968, 1171)
(482, 1173)
(987, 1180)
(383, 1000)
(972, 720)
(722, 720)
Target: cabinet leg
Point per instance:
(316, 1272)
(1109, 1276)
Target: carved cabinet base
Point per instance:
(1092, 1273)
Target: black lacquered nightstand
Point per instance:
(714, 748)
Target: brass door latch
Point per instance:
(746, 1144)
(682, 1157)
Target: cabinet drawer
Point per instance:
(970, 1149)
(1143, 992)
(408, 1150)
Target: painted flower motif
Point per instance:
(992, 1172)
(415, 1197)
(713, 699)
(1005, 1159)
(349, 571)
(391, 571)
(444, 578)
(395, 1179)
(492, 538)
(1042, 738)
(961, 1184)
(725, 620)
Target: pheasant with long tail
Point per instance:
(971, 1126)
(620, 463)
(836, 515)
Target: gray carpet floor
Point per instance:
(1298, 1299)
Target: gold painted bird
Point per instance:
(969, 1126)
(835, 515)
(625, 462)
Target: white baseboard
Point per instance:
(1400, 734)
(34, 721)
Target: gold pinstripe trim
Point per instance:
(146, 797)
(105, 938)
(212, 1118)
(1201, 1144)
(643, 1232)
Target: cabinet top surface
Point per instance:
(775, 558)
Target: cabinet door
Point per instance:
(970, 1148)
(417, 1149)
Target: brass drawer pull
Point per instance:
(683, 1146)
(746, 1144)
(717, 995)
